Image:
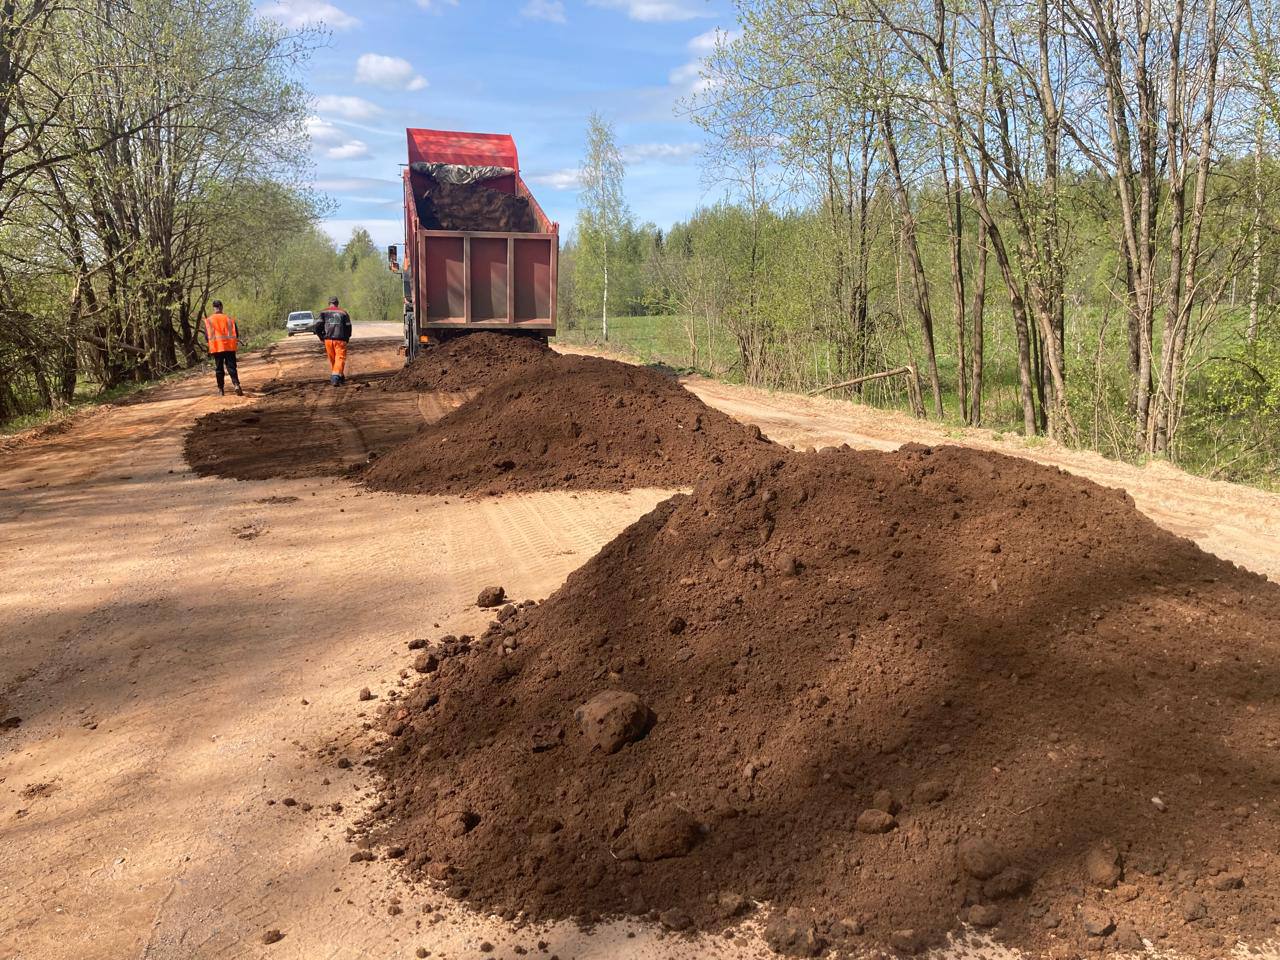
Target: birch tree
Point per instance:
(603, 214)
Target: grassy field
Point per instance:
(662, 339)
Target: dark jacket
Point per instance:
(334, 324)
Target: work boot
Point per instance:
(239, 392)
(333, 379)
(222, 392)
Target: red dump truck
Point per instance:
(479, 253)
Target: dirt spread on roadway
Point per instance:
(300, 426)
(578, 423)
(466, 363)
(887, 693)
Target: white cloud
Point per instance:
(349, 108)
(677, 152)
(323, 133)
(704, 44)
(565, 179)
(655, 11)
(306, 13)
(550, 10)
(391, 73)
(384, 231)
(356, 184)
(351, 150)
(334, 142)
(688, 76)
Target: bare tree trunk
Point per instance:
(919, 279)
(976, 311)
(1255, 267)
(955, 233)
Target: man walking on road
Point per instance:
(334, 329)
(222, 338)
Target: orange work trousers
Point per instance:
(337, 351)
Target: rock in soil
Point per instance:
(272, 936)
(1096, 921)
(1011, 678)
(875, 821)
(612, 719)
(984, 914)
(1102, 864)
(667, 831)
(794, 935)
(980, 858)
(491, 597)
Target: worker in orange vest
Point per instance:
(334, 328)
(222, 338)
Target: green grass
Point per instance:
(659, 339)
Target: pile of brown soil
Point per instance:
(886, 693)
(573, 423)
(451, 206)
(469, 362)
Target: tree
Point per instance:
(603, 214)
(358, 249)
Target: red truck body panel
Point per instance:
(459, 280)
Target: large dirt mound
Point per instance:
(469, 362)
(578, 423)
(451, 206)
(885, 692)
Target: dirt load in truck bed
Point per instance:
(888, 693)
(451, 206)
(469, 362)
(572, 423)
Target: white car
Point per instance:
(300, 321)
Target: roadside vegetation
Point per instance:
(153, 155)
(1056, 218)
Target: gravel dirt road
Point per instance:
(180, 650)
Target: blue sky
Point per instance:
(531, 68)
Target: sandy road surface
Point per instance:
(179, 648)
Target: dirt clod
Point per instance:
(491, 597)
(794, 935)
(1102, 864)
(1096, 922)
(980, 858)
(664, 832)
(272, 936)
(875, 821)
(612, 719)
(984, 914)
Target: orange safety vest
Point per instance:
(220, 330)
